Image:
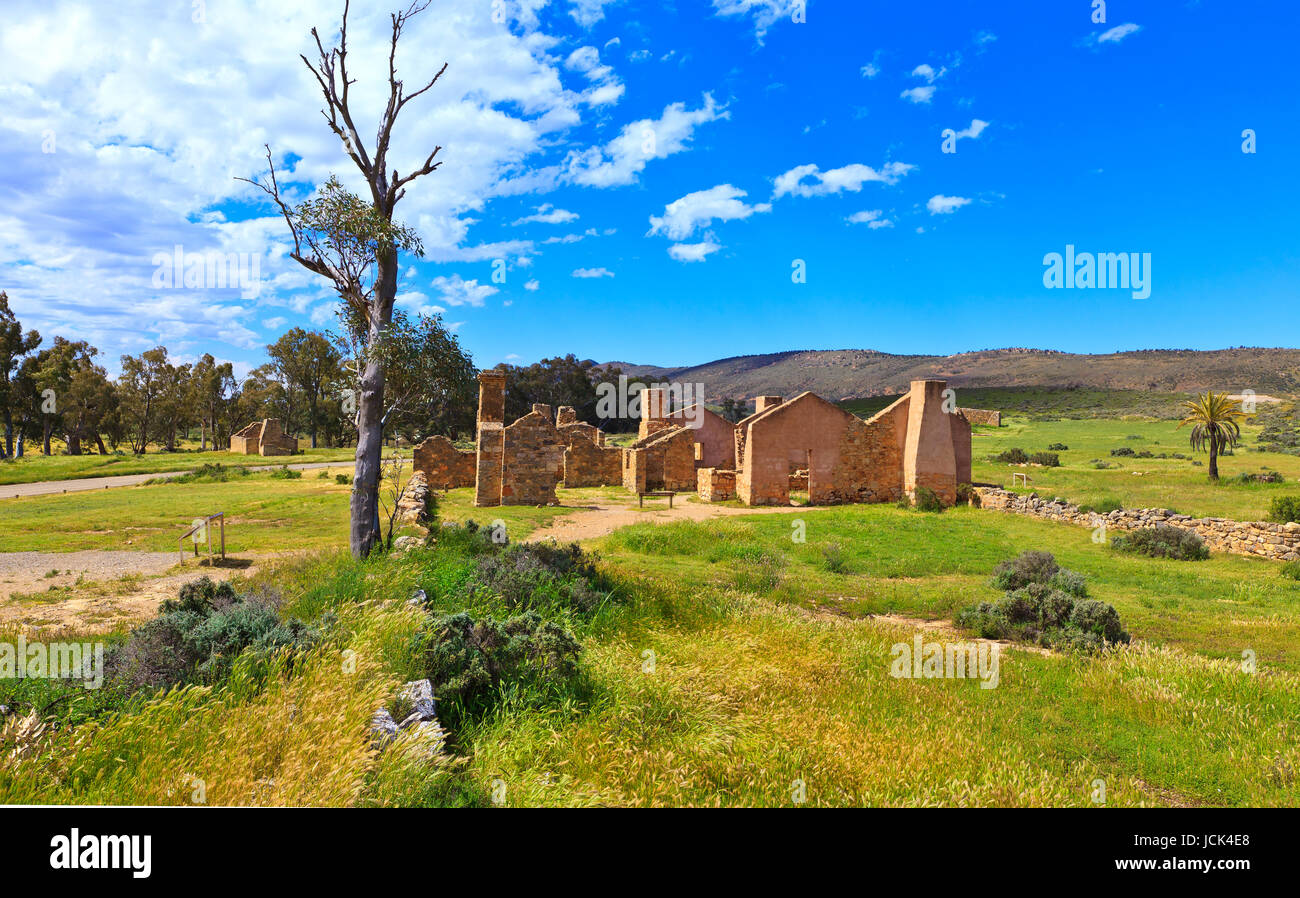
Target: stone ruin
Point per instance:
(263, 438)
(802, 444)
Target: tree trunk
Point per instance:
(1214, 458)
(203, 436)
(47, 428)
(9, 434)
(364, 530)
(99, 441)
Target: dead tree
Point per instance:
(357, 249)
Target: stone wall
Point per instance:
(491, 438)
(669, 459)
(715, 484)
(443, 466)
(263, 438)
(634, 470)
(533, 460)
(1277, 541)
(987, 417)
(587, 464)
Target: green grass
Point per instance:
(1048, 402)
(755, 684)
(33, 467)
(1135, 482)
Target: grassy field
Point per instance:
(1173, 483)
(1048, 402)
(264, 513)
(764, 689)
(33, 467)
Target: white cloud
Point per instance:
(870, 70)
(809, 180)
(623, 158)
(548, 214)
(1118, 33)
(871, 218)
(592, 273)
(918, 94)
(976, 128)
(533, 285)
(274, 324)
(945, 205)
(681, 217)
(154, 125)
(588, 12)
(693, 252)
(926, 71)
(459, 292)
(605, 87)
(766, 13)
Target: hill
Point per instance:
(857, 373)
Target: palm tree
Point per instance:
(1213, 417)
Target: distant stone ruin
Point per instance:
(263, 438)
(804, 444)
(984, 416)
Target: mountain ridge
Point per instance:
(858, 373)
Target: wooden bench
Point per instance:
(655, 494)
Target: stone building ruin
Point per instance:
(787, 445)
(263, 438)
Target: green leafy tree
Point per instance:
(1214, 419)
(312, 368)
(141, 385)
(14, 346)
(212, 386)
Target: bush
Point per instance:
(1291, 570)
(1284, 509)
(1027, 567)
(1123, 452)
(198, 635)
(966, 494)
(472, 663)
(1046, 459)
(542, 575)
(343, 479)
(284, 472)
(1012, 457)
(205, 473)
(1057, 447)
(1162, 541)
(928, 500)
(1043, 604)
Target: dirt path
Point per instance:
(95, 589)
(603, 518)
(82, 484)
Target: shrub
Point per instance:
(833, 558)
(343, 479)
(928, 500)
(534, 575)
(1069, 582)
(1057, 447)
(1261, 477)
(1012, 456)
(471, 663)
(1291, 570)
(1123, 452)
(199, 634)
(986, 619)
(1284, 509)
(966, 494)
(1095, 618)
(284, 472)
(1046, 459)
(1027, 567)
(205, 473)
(1162, 541)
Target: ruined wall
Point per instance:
(245, 440)
(443, 466)
(274, 441)
(532, 460)
(715, 484)
(1280, 542)
(847, 460)
(491, 438)
(961, 448)
(715, 435)
(929, 459)
(586, 464)
(634, 470)
(669, 459)
(983, 416)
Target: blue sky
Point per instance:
(771, 141)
